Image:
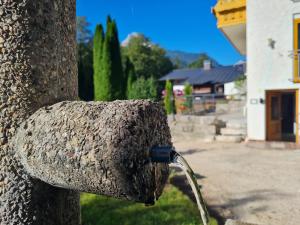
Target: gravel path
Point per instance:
(252, 185)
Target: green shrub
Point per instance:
(188, 91)
(169, 98)
(143, 89)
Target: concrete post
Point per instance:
(37, 68)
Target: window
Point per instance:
(275, 113)
(296, 50)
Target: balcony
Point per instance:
(231, 16)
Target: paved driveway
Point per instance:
(252, 185)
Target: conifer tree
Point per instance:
(106, 66)
(112, 80)
(119, 81)
(97, 60)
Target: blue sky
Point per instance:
(186, 25)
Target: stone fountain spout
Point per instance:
(100, 148)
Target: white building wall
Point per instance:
(268, 69)
(178, 87)
(230, 89)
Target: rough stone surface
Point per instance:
(37, 68)
(193, 127)
(101, 148)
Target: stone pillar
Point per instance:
(50, 152)
(37, 68)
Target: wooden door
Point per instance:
(274, 116)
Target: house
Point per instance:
(205, 81)
(267, 32)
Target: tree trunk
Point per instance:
(37, 68)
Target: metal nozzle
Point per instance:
(163, 154)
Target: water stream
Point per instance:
(180, 162)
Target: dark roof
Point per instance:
(181, 74)
(218, 75)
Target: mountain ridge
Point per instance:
(186, 58)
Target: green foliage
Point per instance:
(149, 60)
(97, 55)
(152, 88)
(199, 63)
(188, 89)
(85, 71)
(105, 78)
(130, 75)
(119, 80)
(173, 208)
(143, 89)
(240, 82)
(168, 101)
(110, 81)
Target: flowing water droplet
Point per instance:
(180, 162)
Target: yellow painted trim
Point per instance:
(230, 12)
(224, 5)
(296, 47)
(231, 6)
(297, 116)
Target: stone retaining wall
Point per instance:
(191, 127)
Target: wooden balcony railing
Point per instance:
(230, 12)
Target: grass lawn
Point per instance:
(173, 208)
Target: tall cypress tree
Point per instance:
(97, 58)
(119, 81)
(112, 80)
(105, 92)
